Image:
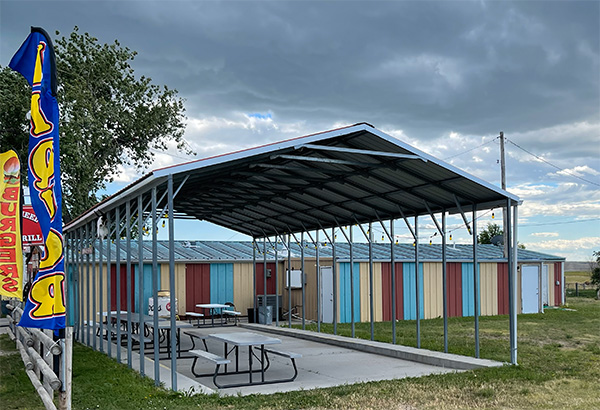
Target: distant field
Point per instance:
(577, 277)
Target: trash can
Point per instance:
(265, 315)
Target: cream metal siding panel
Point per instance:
(489, 288)
(180, 287)
(243, 286)
(365, 304)
(377, 292)
(432, 290)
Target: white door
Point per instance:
(545, 298)
(326, 294)
(530, 288)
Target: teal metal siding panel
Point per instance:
(345, 301)
(147, 291)
(221, 282)
(410, 291)
(468, 286)
(72, 299)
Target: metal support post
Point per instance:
(393, 272)
(155, 273)
(173, 301)
(302, 280)
(335, 282)
(108, 288)
(264, 303)
(128, 279)
(140, 307)
(475, 281)
(289, 276)
(417, 282)
(352, 282)
(93, 313)
(444, 282)
(254, 290)
(87, 286)
(101, 289)
(118, 280)
(319, 300)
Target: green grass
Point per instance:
(558, 354)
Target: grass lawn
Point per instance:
(558, 354)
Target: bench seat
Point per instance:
(289, 355)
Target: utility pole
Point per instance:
(503, 175)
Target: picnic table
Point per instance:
(253, 341)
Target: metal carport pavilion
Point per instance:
(311, 185)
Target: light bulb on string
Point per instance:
(493, 215)
(163, 224)
(450, 236)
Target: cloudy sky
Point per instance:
(443, 76)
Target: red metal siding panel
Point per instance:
(503, 307)
(197, 285)
(386, 284)
(113, 287)
(260, 279)
(454, 288)
(557, 279)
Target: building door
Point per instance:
(530, 290)
(326, 295)
(545, 297)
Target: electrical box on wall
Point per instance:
(294, 279)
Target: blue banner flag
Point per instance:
(45, 306)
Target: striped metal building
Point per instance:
(220, 272)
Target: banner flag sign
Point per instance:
(31, 231)
(45, 306)
(11, 249)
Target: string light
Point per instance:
(163, 224)
(450, 236)
(382, 238)
(396, 241)
(493, 216)
(430, 241)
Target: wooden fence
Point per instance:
(42, 356)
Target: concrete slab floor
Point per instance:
(321, 365)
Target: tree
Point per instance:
(488, 233)
(108, 117)
(492, 230)
(595, 279)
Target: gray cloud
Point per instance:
(444, 76)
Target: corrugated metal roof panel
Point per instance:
(215, 251)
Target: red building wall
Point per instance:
(386, 294)
(197, 286)
(454, 288)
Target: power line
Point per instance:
(552, 165)
(561, 223)
(472, 149)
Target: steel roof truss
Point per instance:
(360, 151)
